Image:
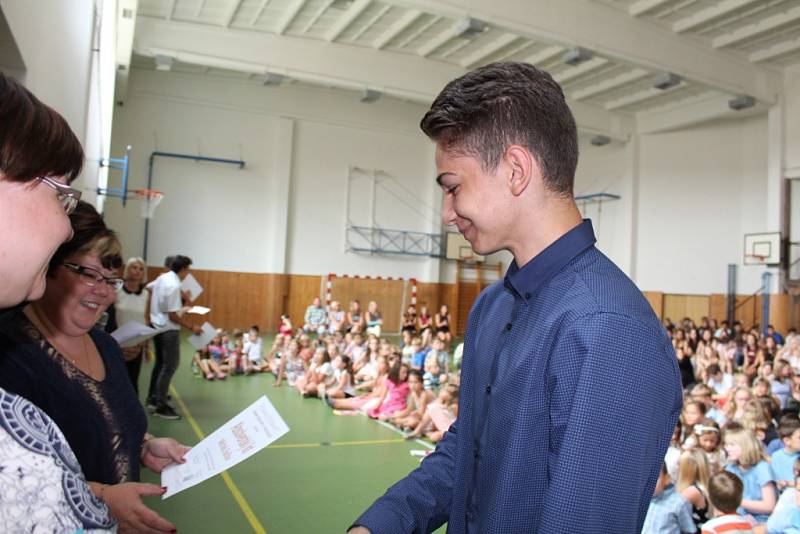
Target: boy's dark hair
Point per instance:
(34, 139)
(787, 428)
(504, 103)
(168, 262)
(180, 263)
(255, 327)
(713, 369)
(725, 492)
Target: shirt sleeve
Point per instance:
(615, 395)
(763, 474)
(421, 501)
(685, 520)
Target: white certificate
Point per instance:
(251, 430)
(132, 333)
(191, 285)
(198, 310)
(204, 338)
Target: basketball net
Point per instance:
(150, 199)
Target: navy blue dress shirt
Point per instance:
(570, 391)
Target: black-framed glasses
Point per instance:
(92, 277)
(68, 196)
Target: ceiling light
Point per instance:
(667, 80)
(600, 140)
(344, 5)
(164, 62)
(273, 79)
(469, 28)
(576, 56)
(370, 95)
(741, 102)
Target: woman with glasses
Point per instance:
(76, 374)
(39, 158)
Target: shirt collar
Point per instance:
(526, 281)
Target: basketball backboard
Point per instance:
(762, 249)
(458, 248)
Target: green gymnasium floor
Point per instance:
(316, 479)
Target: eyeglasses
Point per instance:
(68, 196)
(92, 277)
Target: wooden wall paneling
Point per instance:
(656, 300)
(697, 306)
(718, 307)
(301, 290)
(387, 293)
(676, 307)
(779, 312)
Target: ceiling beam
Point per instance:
(291, 14)
(616, 36)
(404, 76)
(643, 7)
(439, 41)
(402, 24)
(581, 70)
(702, 109)
(763, 26)
(712, 14)
(323, 7)
(259, 12)
(170, 9)
(231, 13)
(353, 12)
(372, 21)
(544, 55)
(642, 96)
(495, 46)
(775, 51)
(610, 84)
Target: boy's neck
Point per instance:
(789, 450)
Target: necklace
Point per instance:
(49, 335)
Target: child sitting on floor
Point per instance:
(395, 393)
(418, 400)
(439, 415)
(253, 359)
(725, 493)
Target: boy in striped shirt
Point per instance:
(725, 492)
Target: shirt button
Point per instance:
(475, 452)
(488, 389)
(527, 295)
(508, 326)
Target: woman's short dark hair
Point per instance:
(91, 235)
(504, 103)
(34, 140)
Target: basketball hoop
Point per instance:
(150, 200)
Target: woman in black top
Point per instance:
(75, 373)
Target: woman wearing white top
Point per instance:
(131, 305)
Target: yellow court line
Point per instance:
(258, 528)
(335, 444)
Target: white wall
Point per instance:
(231, 219)
(701, 190)
(54, 39)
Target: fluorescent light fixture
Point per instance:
(369, 96)
(469, 28)
(576, 56)
(600, 140)
(741, 102)
(273, 79)
(341, 4)
(164, 62)
(667, 80)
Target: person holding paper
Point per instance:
(75, 373)
(165, 306)
(40, 157)
(570, 389)
(131, 305)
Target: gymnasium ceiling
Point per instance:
(706, 51)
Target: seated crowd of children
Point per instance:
(413, 385)
(732, 465)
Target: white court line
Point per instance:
(418, 441)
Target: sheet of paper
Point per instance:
(247, 433)
(132, 333)
(205, 337)
(198, 310)
(191, 285)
